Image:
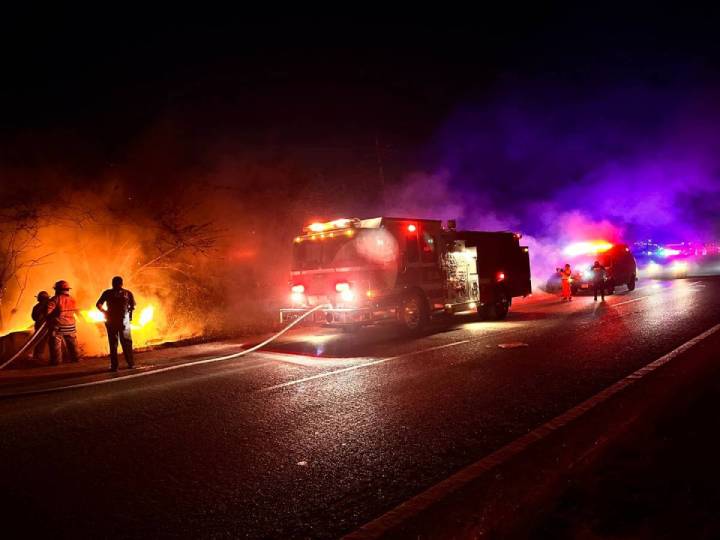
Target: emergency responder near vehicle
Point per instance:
(61, 310)
(118, 305)
(39, 314)
(565, 276)
(598, 271)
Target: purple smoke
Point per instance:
(633, 162)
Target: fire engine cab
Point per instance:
(365, 271)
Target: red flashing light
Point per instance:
(411, 228)
(500, 276)
(298, 289)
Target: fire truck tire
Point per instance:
(498, 310)
(413, 312)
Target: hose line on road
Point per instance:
(169, 368)
(37, 336)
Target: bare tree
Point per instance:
(176, 236)
(19, 227)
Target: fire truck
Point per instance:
(367, 271)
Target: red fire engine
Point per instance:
(398, 269)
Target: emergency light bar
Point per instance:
(343, 223)
(587, 248)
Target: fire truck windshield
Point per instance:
(326, 253)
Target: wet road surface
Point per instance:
(328, 430)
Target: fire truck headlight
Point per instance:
(297, 296)
(346, 293)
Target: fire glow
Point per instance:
(96, 316)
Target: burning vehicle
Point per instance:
(365, 271)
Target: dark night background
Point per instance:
(518, 106)
(560, 122)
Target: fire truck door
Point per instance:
(422, 267)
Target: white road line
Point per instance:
(422, 501)
(633, 300)
(310, 360)
(359, 366)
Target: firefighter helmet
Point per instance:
(62, 285)
(43, 295)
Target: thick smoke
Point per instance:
(622, 165)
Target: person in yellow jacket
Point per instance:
(566, 278)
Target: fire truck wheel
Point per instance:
(631, 283)
(413, 312)
(499, 310)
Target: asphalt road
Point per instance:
(329, 431)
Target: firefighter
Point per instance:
(565, 276)
(61, 310)
(118, 305)
(39, 314)
(598, 271)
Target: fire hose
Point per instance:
(177, 366)
(39, 334)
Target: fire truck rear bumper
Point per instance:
(330, 316)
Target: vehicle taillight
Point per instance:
(500, 276)
(411, 228)
(298, 289)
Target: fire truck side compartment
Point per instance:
(499, 252)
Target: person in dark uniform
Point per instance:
(598, 280)
(118, 305)
(39, 314)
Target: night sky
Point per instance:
(534, 113)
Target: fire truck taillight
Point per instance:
(299, 289)
(500, 276)
(411, 228)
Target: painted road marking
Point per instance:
(632, 300)
(410, 508)
(360, 366)
(309, 360)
